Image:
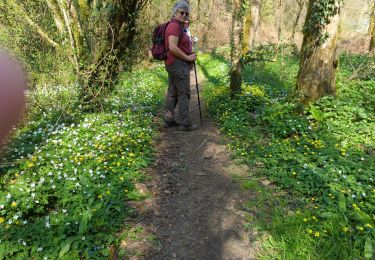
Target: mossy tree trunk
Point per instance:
(113, 53)
(236, 44)
(250, 26)
(96, 36)
(317, 73)
(372, 29)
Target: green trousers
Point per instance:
(178, 92)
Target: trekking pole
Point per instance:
(197, 87)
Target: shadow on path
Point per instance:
(195, 213)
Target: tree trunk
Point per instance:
(372, 29)
(96, 36)
(121, 31)
(372, 17)
(235, 41)
(250, 26)
(206, 23)
(279, 20)
(319, 60)
(301, 4)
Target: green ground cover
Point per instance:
(322, 155)
(67, 174)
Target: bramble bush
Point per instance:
(323, 154)
(67, 175)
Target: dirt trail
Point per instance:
(194, 213)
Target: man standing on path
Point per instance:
(178, 65)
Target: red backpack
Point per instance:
(158, 50)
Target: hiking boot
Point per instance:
(168, 124)
(190, 127)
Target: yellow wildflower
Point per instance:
(317, 234)
(1, 220)
(14, 204)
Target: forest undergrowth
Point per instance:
(320, 158)
(67, 174)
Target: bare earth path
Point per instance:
(194, 213)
